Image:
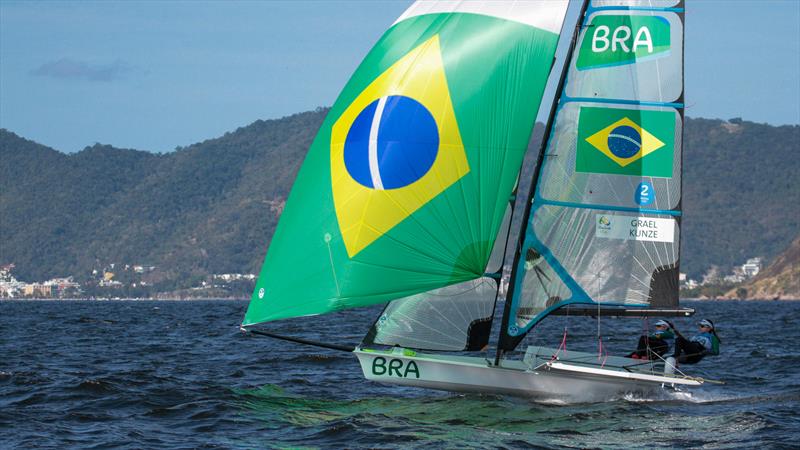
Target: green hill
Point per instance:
(741, 192)
(211, 207)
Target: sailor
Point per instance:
(691, 351)
(654, 345)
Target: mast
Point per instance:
(529, 199)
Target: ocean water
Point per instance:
(149, 374)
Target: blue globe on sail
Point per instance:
(392, 143)
(624, 141)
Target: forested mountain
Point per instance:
(207, 208)
(212, 207)
(741, 192)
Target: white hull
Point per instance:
(538, 375)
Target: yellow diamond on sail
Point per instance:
(624, 142)
(395, 148)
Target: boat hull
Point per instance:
(553, 380)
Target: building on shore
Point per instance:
(38, 290)
(751, 267)
(10, 287)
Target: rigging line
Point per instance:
(600, 349)
(563, 345)
(646, 334)
(675, 366)
(343, 348)
(599, 340)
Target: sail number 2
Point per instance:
(394, 367)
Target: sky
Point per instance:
(155, 75)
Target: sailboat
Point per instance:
(407, 195)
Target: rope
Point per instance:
(646, 334)
(598, 320)
(600, 339)
(563, 339)
(342, 348)
(601, 351)
(563, 345)
(676, 365)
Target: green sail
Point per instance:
(405, 185)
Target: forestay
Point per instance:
(405, 186)
(604, 226)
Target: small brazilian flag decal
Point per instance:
(619, 141)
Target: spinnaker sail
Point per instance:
(406, 184)
(604, 222)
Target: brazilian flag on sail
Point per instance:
(618, 141)
(395, 148)
(405, 186)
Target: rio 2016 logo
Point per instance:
(394, 367)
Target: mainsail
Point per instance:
(407, 182)
(604, 221)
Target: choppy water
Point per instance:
(180, 375)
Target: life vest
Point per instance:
(666, 335)
(709, 341)
(714, 345)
